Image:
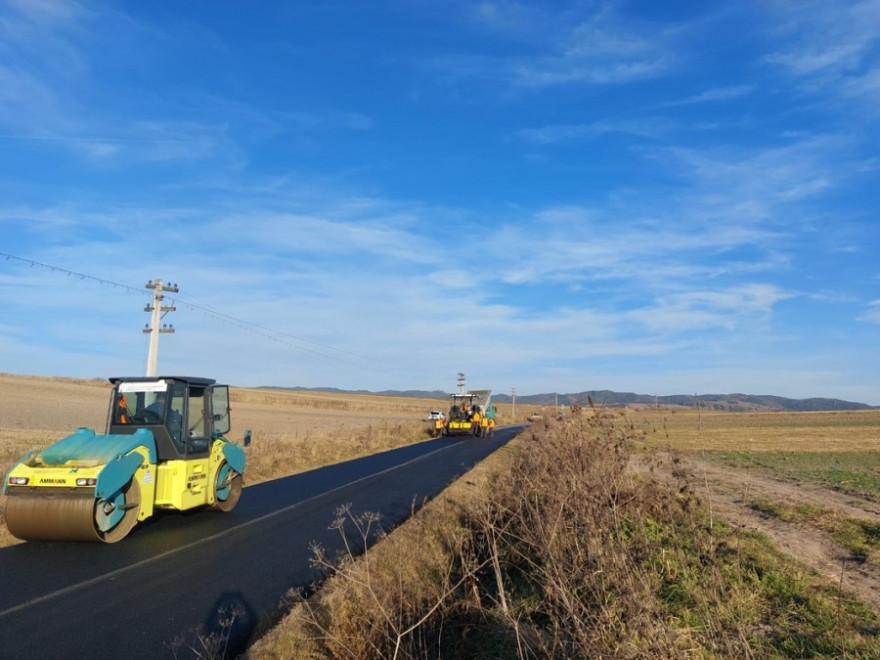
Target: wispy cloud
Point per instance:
(831, 47)
(726, 308)
(791, 172)
(872, 313)
(651, 256)
(582, 45)
(713, 95)
(51, 11)
(827, 38)
(30, 107)
(646, 127)
(866, 87)
(568, 70)
(599, 51)
(50, 91)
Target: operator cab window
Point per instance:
(153, 410)
(140, 404)
(197, 439)
(175, 417)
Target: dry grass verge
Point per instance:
(565, 553)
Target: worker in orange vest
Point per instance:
(123, 409)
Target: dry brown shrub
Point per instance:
(385, 601)
(516, 575)
(562, 532)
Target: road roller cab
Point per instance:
(164, 448)
(183, 414)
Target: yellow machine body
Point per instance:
(187, 484)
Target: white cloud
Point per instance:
(872, 313)
(29, 107)
(644, 244)
(551, 48)
(713, 95)
(52, 11)
(647, 127)
(865, 86)
(831, 49)
(827, 37)
(770, 175)
(573, 70)
(696, 309)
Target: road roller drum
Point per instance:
(50, 514)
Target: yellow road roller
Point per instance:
(164, 448)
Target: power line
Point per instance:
(283, 338)
(82, 276)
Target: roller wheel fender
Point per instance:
(227, 488)
(117, 515)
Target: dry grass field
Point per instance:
(692, 430)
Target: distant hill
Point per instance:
(731, 402)
(414, 394)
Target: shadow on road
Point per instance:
(226, 633)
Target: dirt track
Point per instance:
(728, 492)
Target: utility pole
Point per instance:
(460, 383)
(513, 396)
(158, 311)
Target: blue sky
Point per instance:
(675, 197)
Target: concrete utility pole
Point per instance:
(513, 396)
(154, 330)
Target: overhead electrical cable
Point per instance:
(287, 339)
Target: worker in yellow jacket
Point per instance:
(475, 422)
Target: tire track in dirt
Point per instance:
(728, 491)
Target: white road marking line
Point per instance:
(119, 571)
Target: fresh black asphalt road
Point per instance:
(164, 588)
